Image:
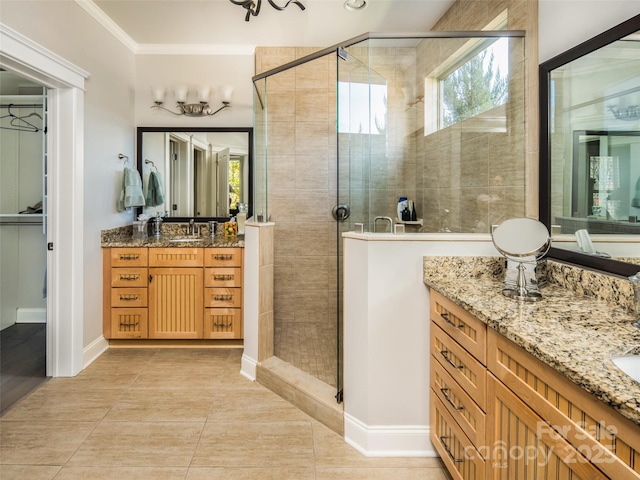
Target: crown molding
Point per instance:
(112, 27)
(160, 49)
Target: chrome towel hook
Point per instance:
(123, 156)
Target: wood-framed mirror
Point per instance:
(205, 173)
(590, 151)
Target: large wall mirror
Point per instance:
(203, 173)
(590, 151)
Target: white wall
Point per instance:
(194, 70)
(67, 30)
(563, 24)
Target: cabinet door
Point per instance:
(522, 446)
(175, 303)
(222, 323)
(129, 323)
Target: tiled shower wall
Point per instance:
(455, 169)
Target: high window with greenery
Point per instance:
(477, 85)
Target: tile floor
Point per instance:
(177, 414)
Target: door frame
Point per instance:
(65, 193)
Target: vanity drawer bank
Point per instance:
(178, 292)
(528, 390)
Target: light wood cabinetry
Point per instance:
(511, 416)
(172, 293)
(125, 293)
(458, 388)
(223, 294)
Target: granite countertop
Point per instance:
(122, 237)
(569, 331)
(164, 241)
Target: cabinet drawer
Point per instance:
(460, 325)
(129, 277)
(456, 450)
(176, 257)
(129, 257)
(222, 323)
(223, 297)
(222, 257)
(129, 323)
(462, 408)
(223, 277)
(128, 297)
(470, 374)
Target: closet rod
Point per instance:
(19, 105)
(18, 224)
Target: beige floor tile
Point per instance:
(160, 405)
(240, 473)
(380, 474)
(288, 444)
(41, 443)
(28, 472)
(157, 444)
(187, 379)
(252, 406)
(121, 473)
(77, 405)
(332, 451)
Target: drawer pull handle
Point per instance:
(129, 256)
(445, 355)
(125, 324)
(446, 318)
(448, 450)
(448, 398)
(130, 277)
(222, 277)
(225, 298)
(223, 325)
(129, 298)
(227, 256)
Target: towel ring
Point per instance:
(149, 162)
(123, 156)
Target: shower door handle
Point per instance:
(341, 212)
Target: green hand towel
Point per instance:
(155, 196)
(131, 192)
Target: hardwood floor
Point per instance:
(22, 361)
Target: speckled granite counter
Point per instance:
(121, 237)
(569, 331)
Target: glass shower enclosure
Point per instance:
(342, 134)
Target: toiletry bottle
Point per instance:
(414, 215)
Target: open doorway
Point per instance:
(23, 237)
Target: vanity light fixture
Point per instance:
(199, 109)
(354, 5)
(253, 6)
(630, 114)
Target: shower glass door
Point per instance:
(361, 119)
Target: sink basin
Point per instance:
(184, 239)
(629, 364)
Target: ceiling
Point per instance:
(220, 24)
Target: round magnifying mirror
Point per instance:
(523, 240)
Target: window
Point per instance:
(355, 100)
(477, 85)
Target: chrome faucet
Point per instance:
(383, 218)
(191, 227)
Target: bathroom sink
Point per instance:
(629, 364)
(184, 239)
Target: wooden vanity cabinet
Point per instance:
(125, 298)
(520, 418)
(172, 293)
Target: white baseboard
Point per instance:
(388, 440)
(92, 351)
(31, 315)
(248, 368)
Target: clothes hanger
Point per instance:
(18, 123)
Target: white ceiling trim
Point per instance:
(112, 27)
(194, 49)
